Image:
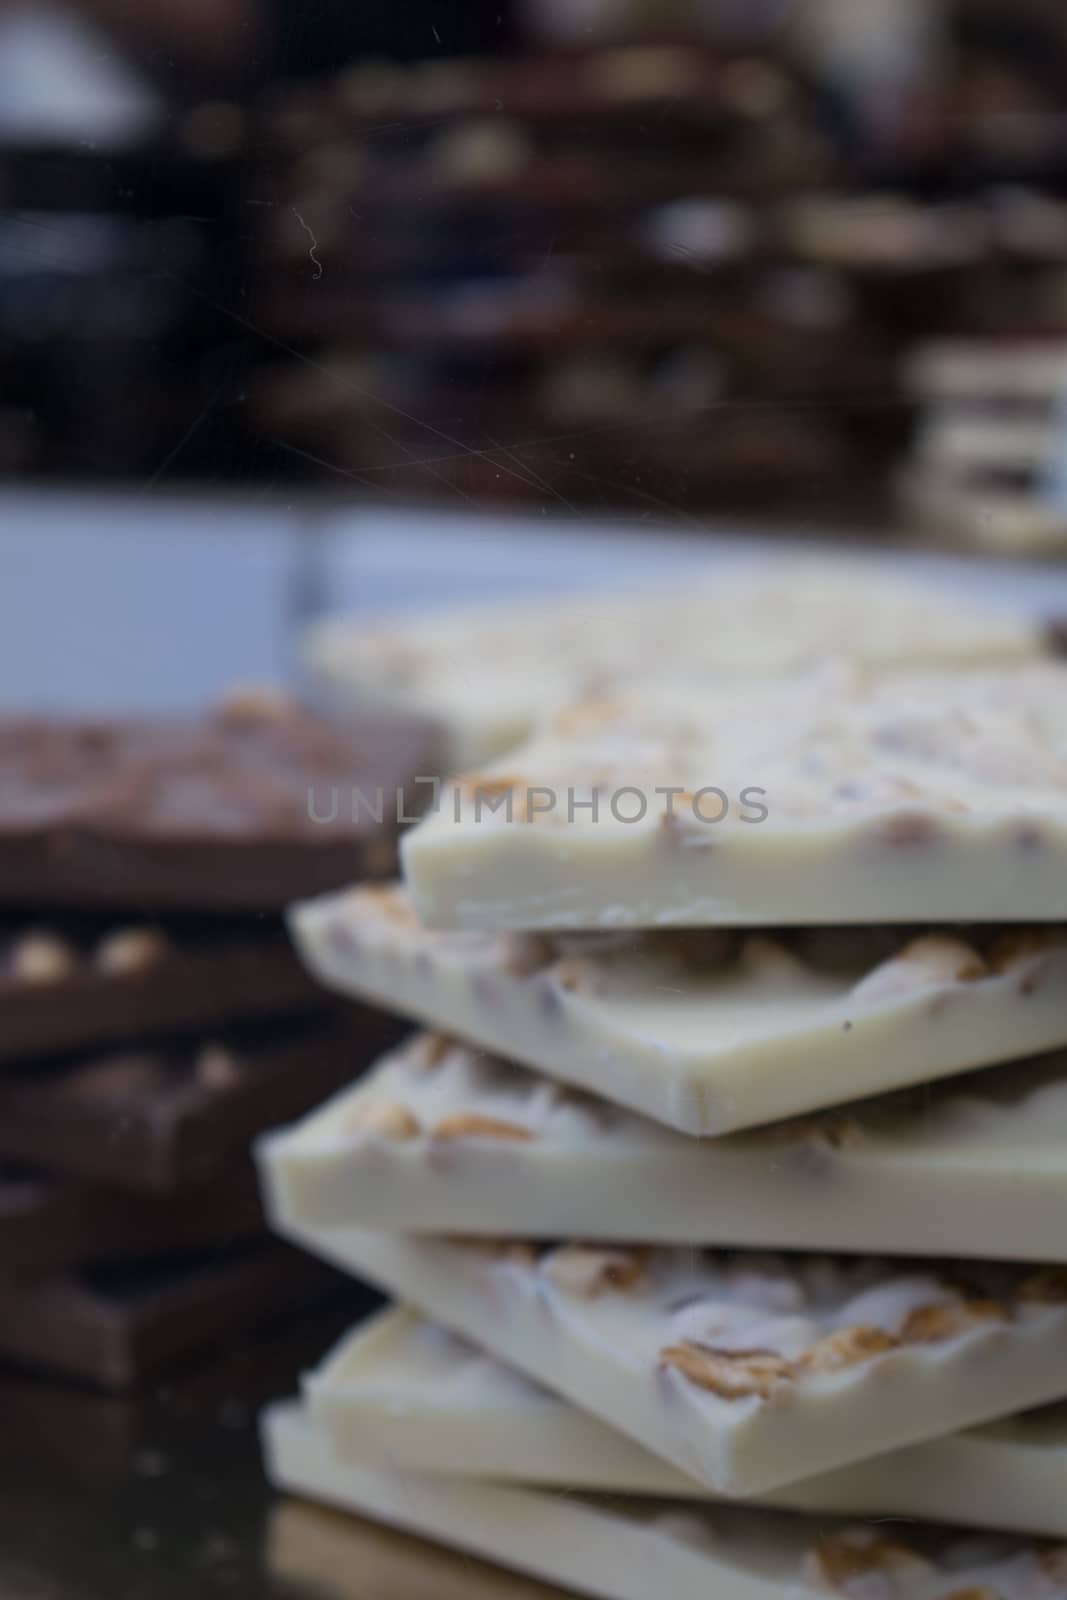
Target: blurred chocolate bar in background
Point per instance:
(672, 259)
(117, 1325)
(242, 810)
(97, 981)
(560, 278)
(641, 272)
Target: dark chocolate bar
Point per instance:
(81, 986)
(45, 1224)
(178, 1114)
(244, 810)
(118, 1325)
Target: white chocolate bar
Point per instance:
(440, 1138)
(406, 1394)
(832, 798)
(706, 1032)
(490, 674)
(613, 1549)
(745, 1372)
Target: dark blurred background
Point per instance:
(593, 255)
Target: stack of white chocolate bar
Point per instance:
(715, 972)
(987, 467)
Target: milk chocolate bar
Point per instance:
(706, 1031)
(118, 1324)
(440, 1138)
(45, 1225)
(81, 984)
(242, 810)
(614, 1549)
(837, 797)
(168, 1115)
(401, 1393)
(746, 1372)
(490, 675)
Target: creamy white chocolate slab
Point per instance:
(705, 1032)
(408, 1395)
(615, 1549)
(835, 797)
(490, 673)
(745, 1372)
(441, 1138)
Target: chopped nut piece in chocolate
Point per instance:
(834, 1130)
(846, 1348)
(130, 950)
(429, 1050)
(504, 797)
(388, 899)
(933, 958)
(580, 1270)
(217, 1067)
(472, 1125)
(524, 953)
(928, 1324)
(385, 1119)
(838, 1560)
(43, 958)
(576, 976)
(731, 1374)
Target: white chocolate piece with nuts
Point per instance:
(618, 1351)
(613, 1549)
(490, 674)
(836, 797)
(476, 1145)
(701, 1030)
(403, 1393)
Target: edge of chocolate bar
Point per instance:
(241, 811)
(116, 1335)
(179, 985)
(171, 1115)
(45, 1225)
